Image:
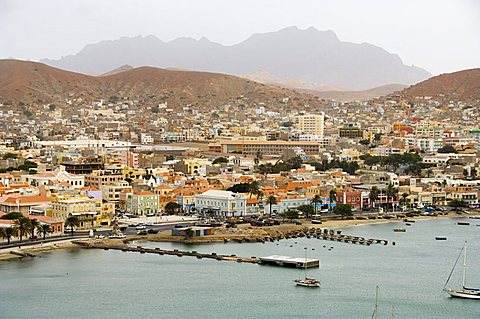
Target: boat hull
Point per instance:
(465, 294)
(308, 282)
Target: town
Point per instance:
(95, 165)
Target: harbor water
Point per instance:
(82, 283)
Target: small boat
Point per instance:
(465, 292)
(400, 230)
(408, 220)
(316, 221)
(440, 238)
(408, 224)
(307, 281)
(474, 217)
(463, 223)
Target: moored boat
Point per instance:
(465, 292)
(399, 230)
(307, 281)
(440, 238)
(463, 223)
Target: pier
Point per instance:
(289, 261)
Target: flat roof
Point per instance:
(271, 142)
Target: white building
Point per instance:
(146, 139)
(59, 177)
(221, 203)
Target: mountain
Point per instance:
(462, 85)
(122, 68)
(311, 55)
(364, 95)
(27, 82)
(262, 76)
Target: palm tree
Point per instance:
(271, 200)
(404, 198)
(391, 192)
(22, 225)
(253, 188)
(316, 200)
(44, 229)
(72, 221)
(10, 232)
(32, 226)
(332, 196)
(373, 195)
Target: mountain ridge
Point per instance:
(37, 83)
(310, 54)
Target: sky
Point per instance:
(438, 35)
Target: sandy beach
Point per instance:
(244, 233)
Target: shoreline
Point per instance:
(244, 233)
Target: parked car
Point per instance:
(142, 232)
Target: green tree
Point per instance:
(316, 200)
(271, 200)
(22, 225)
(239, 188)
(364, 142)
(403, 199)
(373, 195)
(220, 160)
(258, 157)
(10, 232)
(44, 229)
(447, 149)
(290, 214)
(253, 188)
(456, 203)
(9, 155)
(171, 208)
(343, 210)
(332, 196)
(12, 216)
(72, 222)
(307, 210)
(32, 226)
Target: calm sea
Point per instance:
(81, 283)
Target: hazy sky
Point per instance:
(438, 35)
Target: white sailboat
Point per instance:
(307, 281)
(465, 292)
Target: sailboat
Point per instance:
(466, 292)
(307, 281)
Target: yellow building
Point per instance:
(92, 213)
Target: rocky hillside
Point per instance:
(462, 85)
(31, 82)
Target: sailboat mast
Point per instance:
(305, 262)
(374, 314)
(464, 265)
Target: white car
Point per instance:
(140, 227)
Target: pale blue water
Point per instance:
(112, 284)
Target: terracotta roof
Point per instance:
(12, 199)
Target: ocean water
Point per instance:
(80, 283)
